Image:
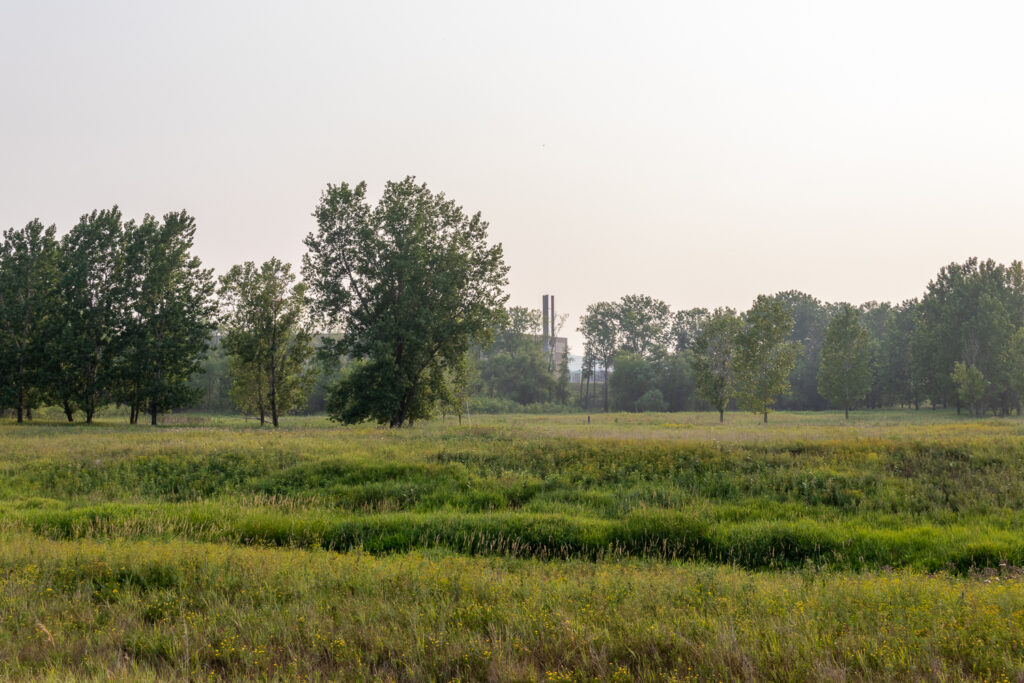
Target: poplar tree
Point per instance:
(28, 275)
(765, 355)
(600, 329)
(87, 325)
(168, 307)
(714, 358)
(844, 376)
(267, 338)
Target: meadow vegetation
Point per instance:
(516, 547)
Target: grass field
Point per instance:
(516, 548)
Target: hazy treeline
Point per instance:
(961, 344)
(121, 312)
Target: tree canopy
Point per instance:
(409, 283)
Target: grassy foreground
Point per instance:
(520, 548)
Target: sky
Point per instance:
(699, 152)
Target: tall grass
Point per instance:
(638, 547)
(174, 609)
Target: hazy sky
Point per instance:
(701, 152)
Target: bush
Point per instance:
(652, 402)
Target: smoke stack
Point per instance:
(545, 318)
(553, 331)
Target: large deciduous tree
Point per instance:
(169, 311)
(267, 338)
(28, 275)
(844, 376)
(714, 358)
(410, 284)
(644, 325)
(87, 326)
(765, 355)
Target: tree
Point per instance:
(644, 325)
(410, 284)
(970, 385)
(810, 317)
(714, 359)
(1013, 361)
(267, 338)
(675, 380)
(166, 298)
(765, 355)
(87, 324)
(600, 329)
(633, 378)
(515, 365)
(28, 275)
(844, 376)
(969, 313)
(687, 325)
(897, 371)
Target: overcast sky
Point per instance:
(702, 153)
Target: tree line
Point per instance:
(961, 344)
(400, 313)
(121, 312)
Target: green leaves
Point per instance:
(267, 338)
(409, 284)
(844, 376)
(28, 299)
(765, 355)
(715, 350)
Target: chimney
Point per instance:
(545, 318)
(553, 331)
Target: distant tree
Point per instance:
(651, 402)
(600, 329)
(765, 355)
(715, 350)
(28, 298)
(675, 380)
(267, 338)
(971, 386)
(212, 382)
(1013, 362)
(633, 378)
(687, 325)
(410, 284)
(969, 313)
(810, 316)
(644, 325)
(897, 372)
(876, 317)
(844, 376)
(517, 331)
(515, 365)
(167, 301)
(523, 378)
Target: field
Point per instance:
(636, 547)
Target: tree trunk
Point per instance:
(606, 388)
(273, 391)
(19, 412)
(28, 413)
(152, 414)
(68, 412)
(263, 417)
(847, 412)
(721, 415)
(766, 416)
